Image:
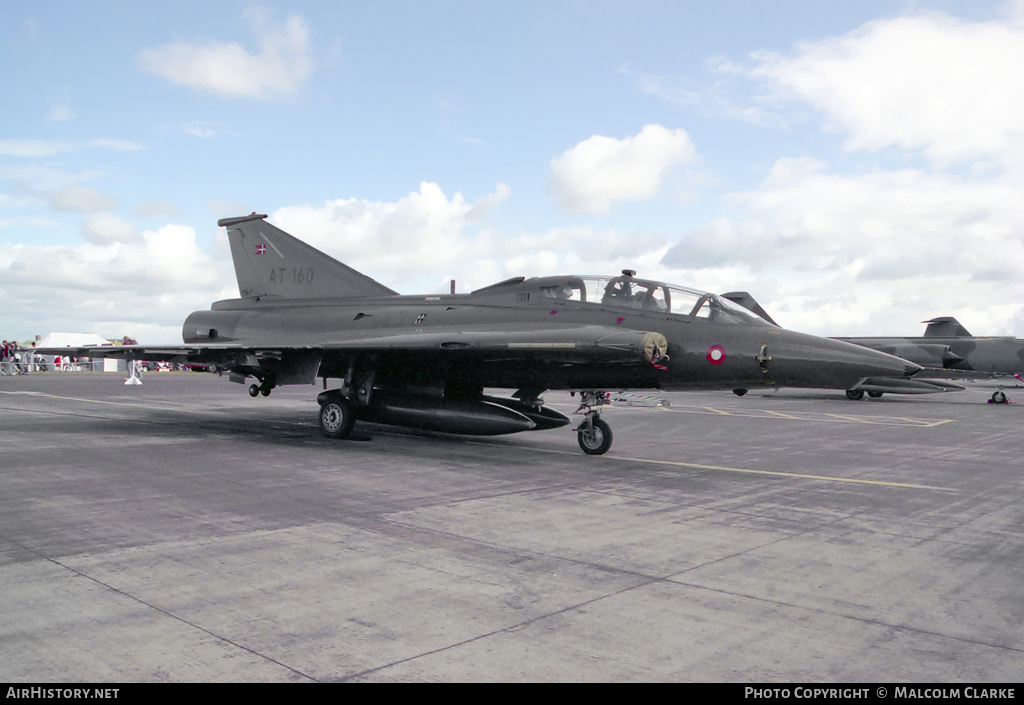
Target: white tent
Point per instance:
(74, 340)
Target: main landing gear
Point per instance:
(593, 434)
(474, 415)
(337, 417)
(857, 394)
(256, 389)
(266, 384)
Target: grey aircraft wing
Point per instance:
(298, 364)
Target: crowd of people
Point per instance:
(16, 360)
(22, 359)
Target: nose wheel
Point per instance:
(594, 436)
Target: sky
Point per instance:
(857, 167)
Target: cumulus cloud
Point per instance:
(416, 243)
(876, 249)
(281, 63)
(926, 82)
(836, 252)
(166, 260)
(421, 231)
(601, 170)
(104, 228)
(122, 281)
(146, 283)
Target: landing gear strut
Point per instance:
(594, 435)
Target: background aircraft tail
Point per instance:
(945, 327)
(270, 262)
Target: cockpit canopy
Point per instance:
(627, 292)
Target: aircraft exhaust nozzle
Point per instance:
(950, 358)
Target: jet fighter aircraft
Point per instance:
(424, 361)
(947, 345)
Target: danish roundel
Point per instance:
(716, 354)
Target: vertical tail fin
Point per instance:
(270, 262)
(945, 327)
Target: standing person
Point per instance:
(4, 352)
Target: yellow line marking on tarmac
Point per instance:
(901, 421)
(777, 473)
(782, 415)
(750, 471)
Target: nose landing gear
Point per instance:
(593, 434)
(999, 397)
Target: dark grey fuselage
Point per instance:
(471, 339)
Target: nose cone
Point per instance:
(801, 360)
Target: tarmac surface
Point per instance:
(183, 531)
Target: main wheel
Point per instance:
(874, 395)
(855, 394)
(254, 390)
(337, 417)
(596, 442)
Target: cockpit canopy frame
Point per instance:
(629, 293)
